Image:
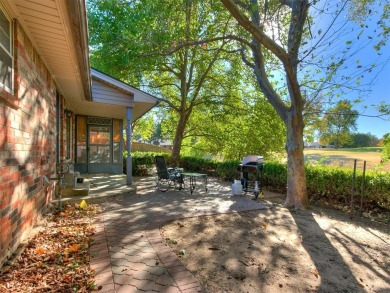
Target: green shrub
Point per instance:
(275, 176)
(324, 183)
(227, 170)
(142, 162)
(199, 165)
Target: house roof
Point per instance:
(109, 91)
(58, 30)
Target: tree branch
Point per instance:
(194, 43)
(256, 31)
(245, 60)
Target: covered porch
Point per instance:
(94, 129)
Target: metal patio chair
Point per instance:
(167, 177)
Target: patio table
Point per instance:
(193, 177)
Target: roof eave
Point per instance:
(78, 17)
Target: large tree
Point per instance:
(284, 46)
(311, 59)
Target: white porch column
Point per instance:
(129, 116)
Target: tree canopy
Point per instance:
(339, 123)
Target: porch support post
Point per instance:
(129, 116)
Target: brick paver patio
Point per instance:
(129, 253)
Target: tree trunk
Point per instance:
(296, 176)
(177, 141)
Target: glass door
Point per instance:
(99, 148)
(98, 145)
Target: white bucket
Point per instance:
(237, 187)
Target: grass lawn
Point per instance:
(344, 157)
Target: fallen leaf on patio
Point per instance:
(83, 204)
(214, 248)
(315, 273)
(264, 225)
(40, 250)
(73, 248)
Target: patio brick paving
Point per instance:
(129, 253)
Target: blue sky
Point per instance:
(380, 92)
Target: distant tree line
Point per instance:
(358, 140)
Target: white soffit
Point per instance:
(57, 29)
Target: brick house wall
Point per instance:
(27, 145)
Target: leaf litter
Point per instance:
(55, 259)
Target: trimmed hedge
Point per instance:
(323, 183)
(333, 184)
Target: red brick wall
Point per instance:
(27, 146)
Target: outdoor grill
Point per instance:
(251, 164)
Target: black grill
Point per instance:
(254, 165)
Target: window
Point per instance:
(6, 53)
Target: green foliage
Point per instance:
(386, 149)
(363, 149)
(335, 184)
(363, 11)
(246, 124)
(275, 176)
(227, 170)
(362, 140)
(338, 124)
(200, 165)
(142, 162)
(383, 108)
(147, 129)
